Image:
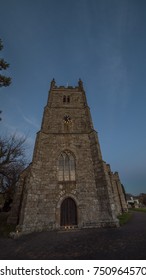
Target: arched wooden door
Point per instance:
(68, 212)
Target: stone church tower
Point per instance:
(67, 185)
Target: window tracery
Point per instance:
(66, 167)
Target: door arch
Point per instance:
(68, 215)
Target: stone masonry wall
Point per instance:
(67, 127)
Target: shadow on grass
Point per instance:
(124, 218)
(5, 228)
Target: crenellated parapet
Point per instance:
(79, 87)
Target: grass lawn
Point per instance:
(124, 218)
(138, 209)
(5, 229)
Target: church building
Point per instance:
(67, 185)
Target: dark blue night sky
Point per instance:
(103, 42)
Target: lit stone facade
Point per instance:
(67, 184)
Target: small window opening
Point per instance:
(64, 99)
(68, 99)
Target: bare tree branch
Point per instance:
(12, 160)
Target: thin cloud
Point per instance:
(28, 119)
(31, 121)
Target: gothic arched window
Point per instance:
(66, 167)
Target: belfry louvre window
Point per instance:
(66, 167)
(68, 99)
(64, 99)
